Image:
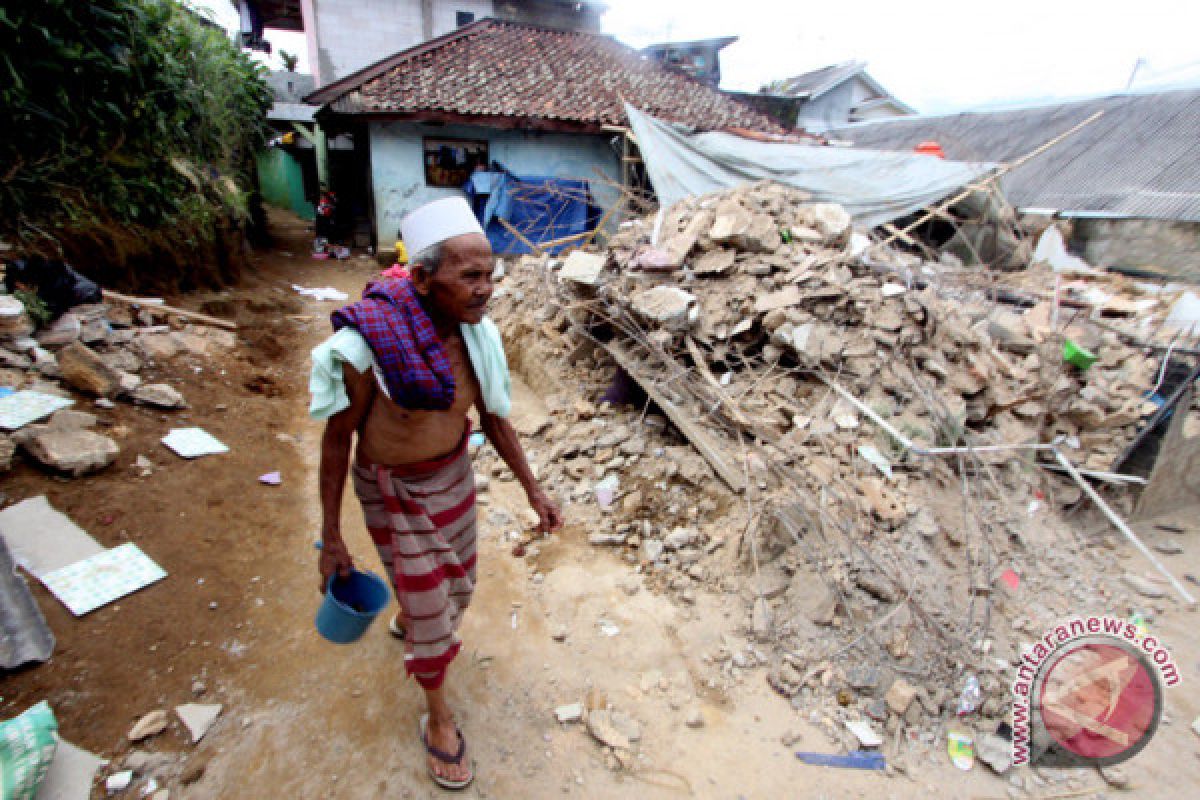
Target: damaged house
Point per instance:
(1128, 182)
(507, 98)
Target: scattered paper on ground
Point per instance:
(42, 539)
(326, 293)
(71, 773)
(21, 408)
(193, 443)
(103, 578)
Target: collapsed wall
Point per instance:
(785, 374)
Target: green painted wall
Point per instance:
(282, 183)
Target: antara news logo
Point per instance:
(1089, 693)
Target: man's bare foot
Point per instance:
(446, 751)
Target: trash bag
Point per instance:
(59, 286)
(27, 746)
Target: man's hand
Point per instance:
(334, 559)
(549, 515)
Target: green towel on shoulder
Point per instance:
(347, 346)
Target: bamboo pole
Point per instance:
(993, 178)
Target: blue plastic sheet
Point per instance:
(542, 208)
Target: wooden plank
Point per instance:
(691, 430)
(520, 236)
(179, 312)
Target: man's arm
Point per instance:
(336, 444)
(503, 437)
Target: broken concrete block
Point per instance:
(600, 726)
(832, 220)
(581, 267)
(156, 346)
(159, 395)
(76, 452)
(571, 712)
(668, 306)
(151, 724)
(784, 298)
(995, 751)
(62, 332)
(70, 420)
(83, 369)
(900, 696)
(198, 718)
(715, 262)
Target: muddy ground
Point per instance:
(307, 719)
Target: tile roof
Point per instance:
(505, 70)
(1141, 159)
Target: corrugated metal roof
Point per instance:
(1141, 159)
(817, 82)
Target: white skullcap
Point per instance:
(436, 222)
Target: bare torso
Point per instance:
(393, 435)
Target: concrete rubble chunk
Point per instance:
(198, 718)
(1143, 586)
(71, 420)
(995, 751)
(151, 724)
(84, 370)
(831, 220)
(76, 452)
(159, 395)
(156, 346)
(571, 712)
(61, 332)
(862, 730)
(715, 262)
(900, 696)
(600, 726)
(666, 305)
(584, 268)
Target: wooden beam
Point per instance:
(691, 430)
(520, 236)
(179, 312)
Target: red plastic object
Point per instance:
(930, 148)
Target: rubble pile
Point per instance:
(771, 340)
(96, 353)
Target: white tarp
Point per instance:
(873, 185)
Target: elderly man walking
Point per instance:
(405, 366)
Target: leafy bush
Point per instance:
(125, 113)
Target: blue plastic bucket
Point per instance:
(350, 605)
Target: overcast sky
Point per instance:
(936, 55)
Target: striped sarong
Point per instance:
(422, 520)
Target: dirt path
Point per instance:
(306, 719)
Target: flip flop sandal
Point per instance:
(446, 758)
(394, 628)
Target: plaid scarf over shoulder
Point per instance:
(413, 360)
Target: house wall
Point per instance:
(550, 13)
(398, 172)
(830, 110)
(835, 108)
(1169, 245)
(346, 35)
(352, 34)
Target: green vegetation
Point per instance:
(131, 127)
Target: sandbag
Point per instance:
(27, 747)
